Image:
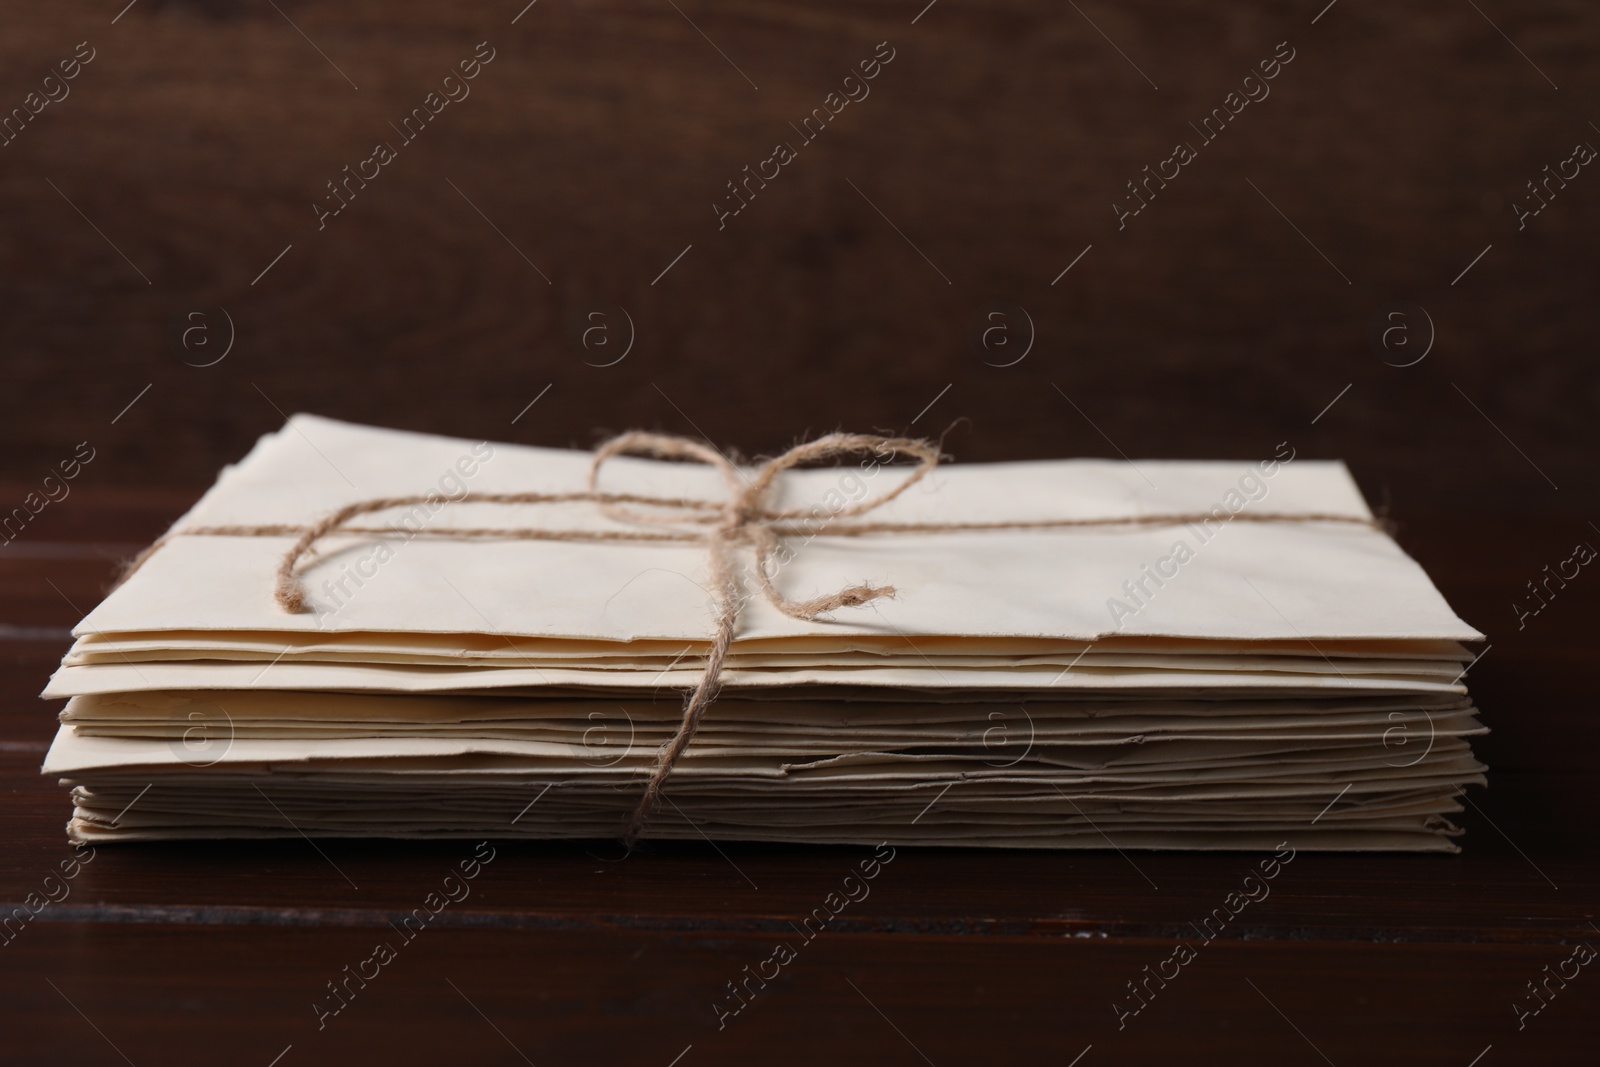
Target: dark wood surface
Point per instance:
(217, 952)
(1234, 312)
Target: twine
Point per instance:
(741, 519)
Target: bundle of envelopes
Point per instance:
(1262, 663)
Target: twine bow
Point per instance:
(743, 519)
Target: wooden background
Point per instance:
(579, 177)
(996, 141)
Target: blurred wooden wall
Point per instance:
(856, 285)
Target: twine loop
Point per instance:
(743, 518)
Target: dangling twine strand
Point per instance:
(742, 519)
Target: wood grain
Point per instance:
(1233, 312)
(573, 951)
(995, 143)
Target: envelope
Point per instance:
(1248, 581)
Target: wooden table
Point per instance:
(172, 293)
(571, 953)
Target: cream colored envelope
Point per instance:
(1245, 581)
(965, 683)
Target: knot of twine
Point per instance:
(742, 519)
